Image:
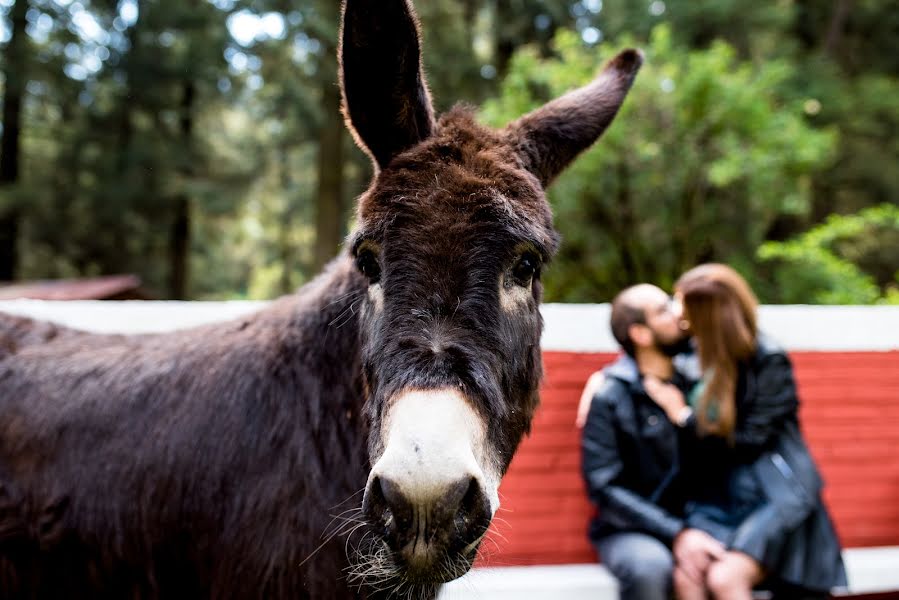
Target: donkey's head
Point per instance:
(452, 236)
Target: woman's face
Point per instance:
(679, 309)
(679, 312)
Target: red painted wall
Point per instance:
(850, 416)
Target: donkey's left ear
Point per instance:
(550, 137)
(385, 99)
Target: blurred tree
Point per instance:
(302, 206)
(198, 144)
(193, 37)
(520, 22)
(460, 31)
(702, 158)
(849, 259)
(330, 205)
(126, 85)
(858, 35)
(755, 30)
(15, 78)
(848, 81)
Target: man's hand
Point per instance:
(665, 395)
(694, 550)
(590, 388)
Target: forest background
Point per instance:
(198, 143)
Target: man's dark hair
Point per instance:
(625, 314)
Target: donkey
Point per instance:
(390, 392)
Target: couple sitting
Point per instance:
(704, 484)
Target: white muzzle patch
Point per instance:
(433, 438)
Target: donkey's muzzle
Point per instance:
(432, 491)
(433, 536)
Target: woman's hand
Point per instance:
(590, 388)
(694, 550)
(666, 396)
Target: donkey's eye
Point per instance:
(367, 263)
(526, 268)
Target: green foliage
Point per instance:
(753, 28)
(704, 156)
(849, 259)
(867, 115)
(750, 123)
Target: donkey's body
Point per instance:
(208, 463)
(201, 463)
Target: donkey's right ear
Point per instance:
(550, 137)
(385, 99)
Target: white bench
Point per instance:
(544, 582)
(870, 570)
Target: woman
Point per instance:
(746, 469)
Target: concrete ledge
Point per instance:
(130, 316)
(870, 571)
(544, 582)
(569, 327)
(585, 327)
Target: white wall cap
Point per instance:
(540, 582)
(130, 316)
(872, 570)
(569, 327)
(585, 327)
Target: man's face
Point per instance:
(663, 316)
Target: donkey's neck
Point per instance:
(321, 324)
(327, 307)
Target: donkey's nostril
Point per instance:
(463, 504)
(374, 497)
(474, 498)
(374, 505)
(394, 496)
(454, 498)
(472, 510)
(385, 502)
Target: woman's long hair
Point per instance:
(721, 310)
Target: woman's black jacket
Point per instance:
(789, 530)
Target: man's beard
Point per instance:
(672, 348)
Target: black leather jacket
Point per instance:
(630, 458)
(770, 469)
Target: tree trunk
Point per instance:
(470, 13)
(627, 227)
(9, 143)
(285, 251)
(179, 239)
(505, 36)
(179, 248)
(841, 11)
(129, 64)
(329, 198)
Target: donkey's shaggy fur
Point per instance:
(200, 463)
(210, 463)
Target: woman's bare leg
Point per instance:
(733, 576)
(687, 588)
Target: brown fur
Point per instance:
(208, 462)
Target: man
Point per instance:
(630, 453)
